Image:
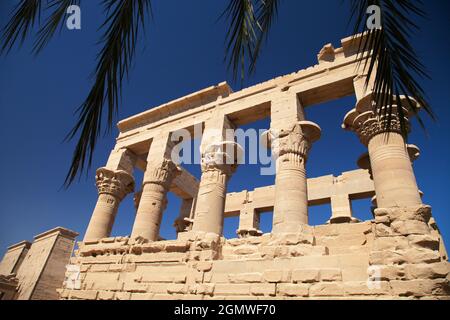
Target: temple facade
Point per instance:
(397, 254)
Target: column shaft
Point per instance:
(393, 176)
(210, 204)
(149, 214)
(291, 198)
(153, 201)
(112, 186)
(290, 148)
(103, 217)
(220, 156)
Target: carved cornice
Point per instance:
(117, 183)
(162, 174)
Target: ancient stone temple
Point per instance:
(397, 254)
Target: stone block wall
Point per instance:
(35, 271)
(14, 257)
(394, 256)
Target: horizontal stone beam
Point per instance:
(330, 79)
(185, 185)
(356, 184)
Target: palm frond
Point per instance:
(20, 24)
(242, 35)
(393, 59)
(124, 17)
(52, 23)
(266, 12)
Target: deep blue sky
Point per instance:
(183, 52)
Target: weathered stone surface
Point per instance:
(425, 241)
(389, 272)
(427, 271)
(232, 289)
(330, 274)
(293, 290)
(408, 227)
(363, 288)
(419, 288)
(343, 240)
(204, 266)
(245, 277)
(323, 289)
(306, 275)
(263, 289)
(276, 275)
(415, 255)
(390, 243)
(84, 294)
(105, 295)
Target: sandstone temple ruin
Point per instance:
(398, 254)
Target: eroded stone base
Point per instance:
(378, 259)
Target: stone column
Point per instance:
(364, 163)
(113, 186)
(212, 192)
(390, 162)
(153, 200)
(290, 148)
(290, 138)
(114, 182)
(220, 155)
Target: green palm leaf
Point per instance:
(20, 24)
(54, 21)
(241, 36)
(250, 22)
(393, 58)
(121, 34)
(266, 12)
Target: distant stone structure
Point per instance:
(34, 271)
(398, 254)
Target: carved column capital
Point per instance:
(221, 158)
(368, 122)
(295, 140)
(118, 183)
(162, 174)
